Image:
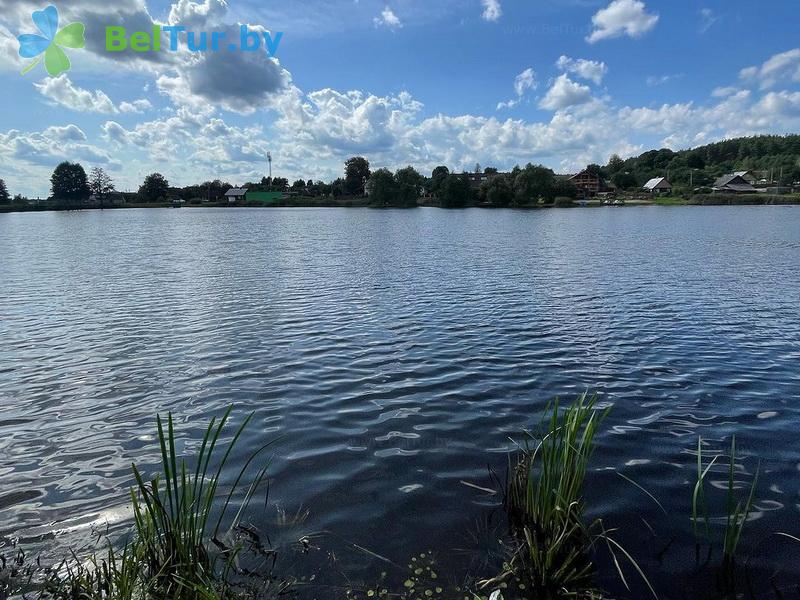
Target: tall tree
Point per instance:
(356, 174)
(615, 164)
(279, 184)
(455, 191)
(532, 183)
(4, 196)
(624, 180)
(438, 176)
(382, 188)
(69, 183)
(498, 191)
(100, 183)
(409, 184)
(154, 189)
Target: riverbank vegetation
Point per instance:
(775, 159)
(189, 540)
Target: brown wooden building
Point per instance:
(588, 182)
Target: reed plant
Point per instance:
(182, 545)
(737, 510)
(545, 499)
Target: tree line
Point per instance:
(778, 156)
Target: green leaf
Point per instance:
(56, 61)
(72, 36)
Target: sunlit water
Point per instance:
(395, 354)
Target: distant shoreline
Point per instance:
(709, 200)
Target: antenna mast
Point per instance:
(269, 160)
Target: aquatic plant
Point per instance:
(178, 549)
(544, 500)
(545, 505)
(736, 511)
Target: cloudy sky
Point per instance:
(421, 82)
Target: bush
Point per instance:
(562, 202)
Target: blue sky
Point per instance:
(495, 82)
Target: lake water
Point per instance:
(395, 354)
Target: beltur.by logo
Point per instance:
(118, 40)
(49, 44)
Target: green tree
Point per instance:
(564, 188)
(69, 183)
(409, 183)
(437, 178)
(356, 174)
(615, 164)
(532, 183)
(498, 191)
(455, 191)
(382, 188)
(624, 180)
(279, 184)
(100, 183)
(695, 161)
(5, 198)
(154, 189)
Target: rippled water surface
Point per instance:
(395, 353)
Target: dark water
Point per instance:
(397, 353)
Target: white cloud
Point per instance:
(49, 147)
(525, 81)
(522, 83)
(63, 92)
(492, 11)
(388, 19)
(707, 19)
(784, 67)
(68, 133)
(137, 106)
(591, 70)
(724, 92)
(195, 15)
(657, 80)
(565, 93)
(9, 51)
(622, 17)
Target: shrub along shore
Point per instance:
(189, 538)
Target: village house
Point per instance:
(733, 183)
(748, 176)
(589, 182)
(235, 195)
(658, 186)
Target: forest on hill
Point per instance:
(775, 158)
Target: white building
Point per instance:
(658, 186)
